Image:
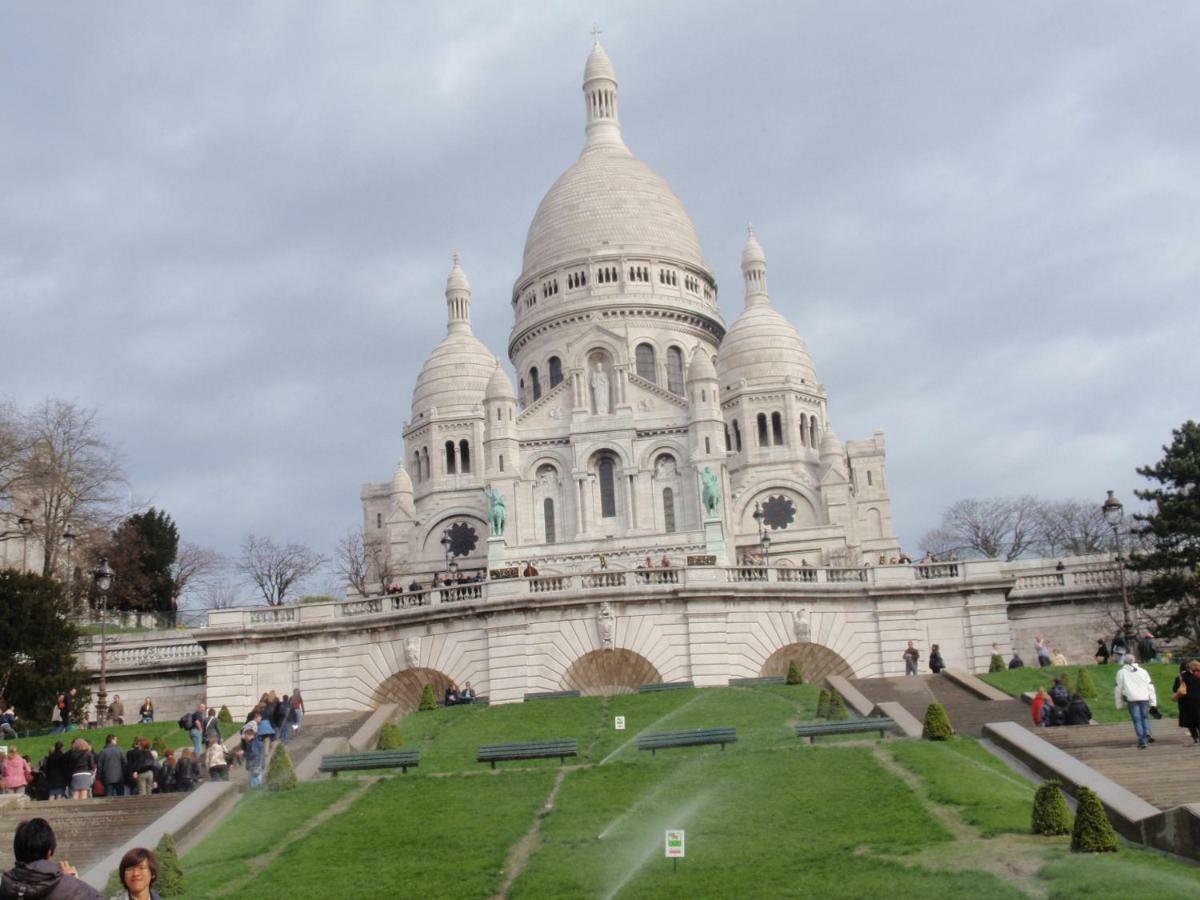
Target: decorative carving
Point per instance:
(801, 626)
(607, 625)
(779, 512)
(412, 652)
(556, 413)
(600, 390)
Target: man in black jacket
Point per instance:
(36, 873)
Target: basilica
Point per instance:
(630, 394)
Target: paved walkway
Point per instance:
(968, 713)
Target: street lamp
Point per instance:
(103, 577)
(445, 542)
(26, 525)
(764, 539)
(68, 539)
(1113, 514)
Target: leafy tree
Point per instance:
(823, 704)
(142, 552)
(1093, 833)
(1050, 812)
(794, 674)
(225, 717)
(281, 776)
(997, 663)
(1170, 559)
(428, 701)
(390, 737)
(1085, 685)
(937, 724)
(37, 645)
(837, 706)
(170, 873)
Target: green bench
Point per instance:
(377, 759)
(812, 730)
(695, 738)
(551, 695)
(750, 682)
(664, 686)
(494, 753)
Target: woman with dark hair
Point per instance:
(1186, 692)
(297, 709)
(138, 872)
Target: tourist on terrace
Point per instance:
(36, 874)
(83, 769)
(8, 724)
(1059, 693)
(415, 587)
(911, 657)
(111, 767)
(467, 695)
(1037, 709)
(1058, 657)
(146, 713)
(56, 719)
(1119, 647)
(216, 761)
(936, 663)
(1101, 652)
(1186, 692)
(138, 871)
(264, 730)
(452, 697)
(531, 570)
(283, 715)
(116, 710)
(1146, 649)
(17, 773)
(1016, 662)
(1042, 649)
(1078, 712)
(297, 709)
(187, 771)
(55, 773)
(141, 766)
(254, 754)
(1135, 691)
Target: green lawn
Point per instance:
(1030, 678)
(37, 747)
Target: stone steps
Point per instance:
(967, 712)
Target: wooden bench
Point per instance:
(494, 753)
(750, 682)
(664, 686)
(695, 738)
(377, 759)
(812, 730)
(551, 695)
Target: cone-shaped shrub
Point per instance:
(428, 701)
(389, 738)
(823, 704)
(170, 874)
(1050, 812)
(794, 675)
(280, 774)
(159, 746)
(225, 717)
(837, 708)
(997, 663)
(1085, 685)
(1093, 832)
(937, 724)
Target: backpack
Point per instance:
(185, 721)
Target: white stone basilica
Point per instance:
(629, 387)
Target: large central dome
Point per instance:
(608, 202)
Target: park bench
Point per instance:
(750, 682)
(664, 686)
(551, 695)
(377, 759)
(812, 730)
(494, 753)
(695, 738)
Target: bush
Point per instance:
(390, 738)
(1050, 812)
(937, 724)
(794, 675)
(428, 701)
(1093, 832)
(997, 663)
(170, 874)
(225, 717)
(837, 707)
(823, 704)
(280, 774)
(1085, 685)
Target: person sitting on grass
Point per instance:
(1078, 712)
(36, 873)
(1037, 709)
(1016, 662)
(467, 695)
(1059, 693)
(452, 697)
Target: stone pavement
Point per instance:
(968, 713)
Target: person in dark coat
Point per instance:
(1059, 693)
(111, 768)
(37, 875)
(1186, 691)
(1016, 662)
(56, 769)
(1102, 652)
(1078, 712)
(936, 664)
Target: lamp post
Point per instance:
(103, 577)
(445, 542)
(68, 539)
(764, 539)
(26, 525)
(1113, 514)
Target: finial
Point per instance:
(454, 257)
(749, 229)
(596, 32)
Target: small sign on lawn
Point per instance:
(619, 723)
(675, 845)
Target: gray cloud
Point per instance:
(228, 226)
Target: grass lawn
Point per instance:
(1081, 876)
(1030, 678)
(37, 747)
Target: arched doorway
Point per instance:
(815, 661)
(603, 672)
(404, 688)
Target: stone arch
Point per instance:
(603, 672)
(816, 661)
(404, 688)
(677, 449)
(530, 466)
(758, 492)
(429, 539)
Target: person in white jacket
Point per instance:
(1135, 690)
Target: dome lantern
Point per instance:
(600, 96)
(754, 270)
(458, 299)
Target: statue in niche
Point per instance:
(412, 652)
(607, 626)
(497, 511)
(664, 467)
(800, 625)
(712, 491)
(600, 389)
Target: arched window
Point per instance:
(707, 445)
(535, 384)
(548, 513)
(555, 371)
(449, 457)
(762, 430)
(669, 510)
(728, 439)
(675, 370)
(776, 429)
(501, 461)
(812, 432)
(644, 356)
(803, 429)
(425, 460)
(608, 488)
(415, 467)
(737, 437)
(464, 456)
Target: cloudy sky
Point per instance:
(227, 226)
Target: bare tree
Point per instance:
(13, 448)
(996, 528)
(276, 570)
(69, 474)
(363, 562)
(218, 593)
(1072, 528)
(193, 568)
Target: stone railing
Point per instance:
(802, 575)
(603, 580)
(1040, 582)
(154, 653)
(275, 615)
(548, 584)
(930, 571)
(739, 574)
(1082, 573)
(842, 576)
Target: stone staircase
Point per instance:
(968, 713)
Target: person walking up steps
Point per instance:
(1135, 690)
(911, 657)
